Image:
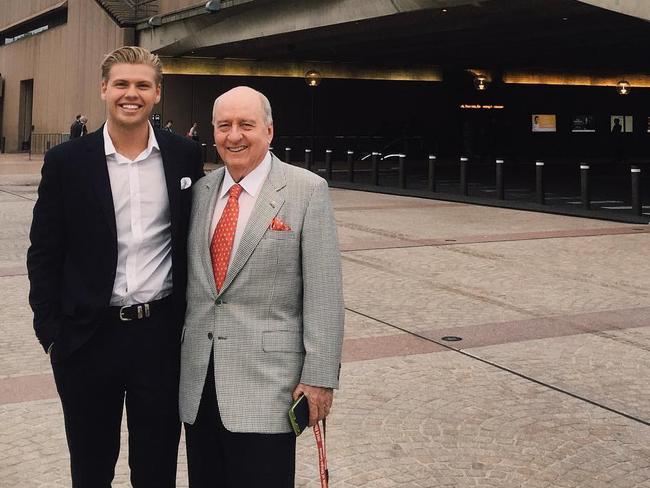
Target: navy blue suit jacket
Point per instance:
(72, 259)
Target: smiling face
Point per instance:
(130, 93)
(241, 132)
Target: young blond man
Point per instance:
(107, 270)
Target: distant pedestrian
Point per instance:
(73, 127)
(193, 133)
(169, 126)
(84, 128)
(78, 127)
(617, 141)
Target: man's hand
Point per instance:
(319, 400)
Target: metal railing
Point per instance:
(41, 143)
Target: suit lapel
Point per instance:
(172, 179)
(100, 180)
(268, 204)
(204, 215)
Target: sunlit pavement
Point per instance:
(548, 386)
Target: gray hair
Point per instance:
(266, 107)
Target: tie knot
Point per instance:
(235, 191)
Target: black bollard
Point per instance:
(501, 194)
(375, 168)
(584, 186)
(204, 149)
(328, 164)
(308, 159)
(635, 173)
(464, 189)
(350, 166)
(287, 155)
(402, 171)
(431, 173)
(539, 182)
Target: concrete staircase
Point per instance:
(127, 13)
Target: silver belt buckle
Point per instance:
(122, 317)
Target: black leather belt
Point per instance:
(139, 311)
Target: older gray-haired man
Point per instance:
(264, 321)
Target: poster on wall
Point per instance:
(543, 122)
(583, 123)
(648, 124)
(620, 123)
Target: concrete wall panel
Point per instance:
(64, 64)
(16, 10)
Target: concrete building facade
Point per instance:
(390, 69)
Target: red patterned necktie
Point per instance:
(224, 235)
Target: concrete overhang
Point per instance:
(633, 8)
(243, 20)
(572, 35)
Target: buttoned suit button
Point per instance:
(210, 335)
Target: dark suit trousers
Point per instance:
(218, 458)
(137, 361)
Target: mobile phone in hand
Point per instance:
(299, 415)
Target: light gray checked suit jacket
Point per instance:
(278, 319)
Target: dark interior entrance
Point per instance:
(25, 114)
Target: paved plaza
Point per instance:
(549, 385)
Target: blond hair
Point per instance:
(131, 55)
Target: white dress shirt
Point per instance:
(252, 184)
(142, 218)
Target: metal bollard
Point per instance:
(464, 189)
(635, 173)
(204, 151)
(402, 171)
(539, 182)
(375, 168)
(287, 155)
(308, 159)
(584, 186)
(328, 164)
(501, 194)
(350, 167)
(431, 173)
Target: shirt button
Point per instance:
(210, 335)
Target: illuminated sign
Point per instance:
(468, 106)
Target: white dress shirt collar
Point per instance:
(109, 147)
(252, 182)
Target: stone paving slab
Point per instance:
(471, 425)
(453, 286)
(608, 367)
(559, 299)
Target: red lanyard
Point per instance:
(322, 455)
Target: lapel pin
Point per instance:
(186, 182)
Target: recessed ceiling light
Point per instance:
(444, 10)
(565, 18)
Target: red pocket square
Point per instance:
(277, 224)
